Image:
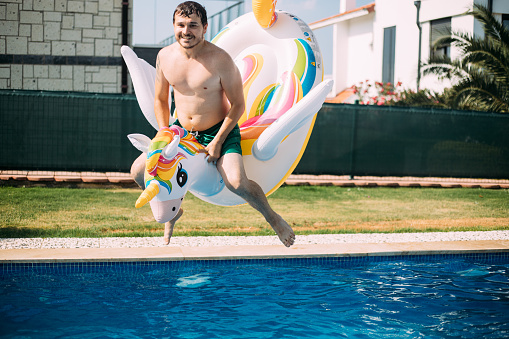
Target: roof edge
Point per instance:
(369, 8)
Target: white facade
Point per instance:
(359, 38)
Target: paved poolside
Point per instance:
(220, 248)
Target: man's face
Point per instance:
(189, 31)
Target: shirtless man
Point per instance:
(209, 99)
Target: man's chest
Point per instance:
(192, 77)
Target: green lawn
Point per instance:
(64, 212)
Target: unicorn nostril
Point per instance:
(173, 209)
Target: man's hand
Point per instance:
(213, 151)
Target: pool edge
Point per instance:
(178, 253)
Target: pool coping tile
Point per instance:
(53, 255)
(178, 253)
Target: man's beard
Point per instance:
(191, 38)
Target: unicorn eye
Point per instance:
(181, 176)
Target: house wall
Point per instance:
(402, 14)
(61, 45)
(358, 42)
(353, 57)
(340, 62)
(360, 54)
(436, 9)
(499, 6)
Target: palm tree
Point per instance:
(480, 75)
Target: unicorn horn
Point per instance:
(148, 194)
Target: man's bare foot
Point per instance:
(284, 231)
(168, 227)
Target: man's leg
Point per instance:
(231, 168)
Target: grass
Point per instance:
(64, 212)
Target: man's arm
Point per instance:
(162, 95)
(231, 81)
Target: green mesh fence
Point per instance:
(87, 132)
(401, 141)
(69, 131)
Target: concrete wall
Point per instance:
(61, 45)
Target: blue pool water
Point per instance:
(433, 296)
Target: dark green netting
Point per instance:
(87, 132)
(71, 132)
(402, 141)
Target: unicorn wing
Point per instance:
(143, 76)
(267, 144)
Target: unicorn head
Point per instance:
(166, 176)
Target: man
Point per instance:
(209, 100)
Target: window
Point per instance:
(440, 28)
(505, 20)
(389, 55)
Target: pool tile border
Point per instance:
(249, 252)
(141, 266)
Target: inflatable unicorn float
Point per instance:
(282, 74)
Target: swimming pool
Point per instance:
(418, 296)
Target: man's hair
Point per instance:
(190, 7)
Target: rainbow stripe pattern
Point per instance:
(157, 166)
(276, 99)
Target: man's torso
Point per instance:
(199, 96)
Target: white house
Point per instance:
(380, 41)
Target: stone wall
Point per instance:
(62, 45)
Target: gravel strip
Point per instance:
(30, 243)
